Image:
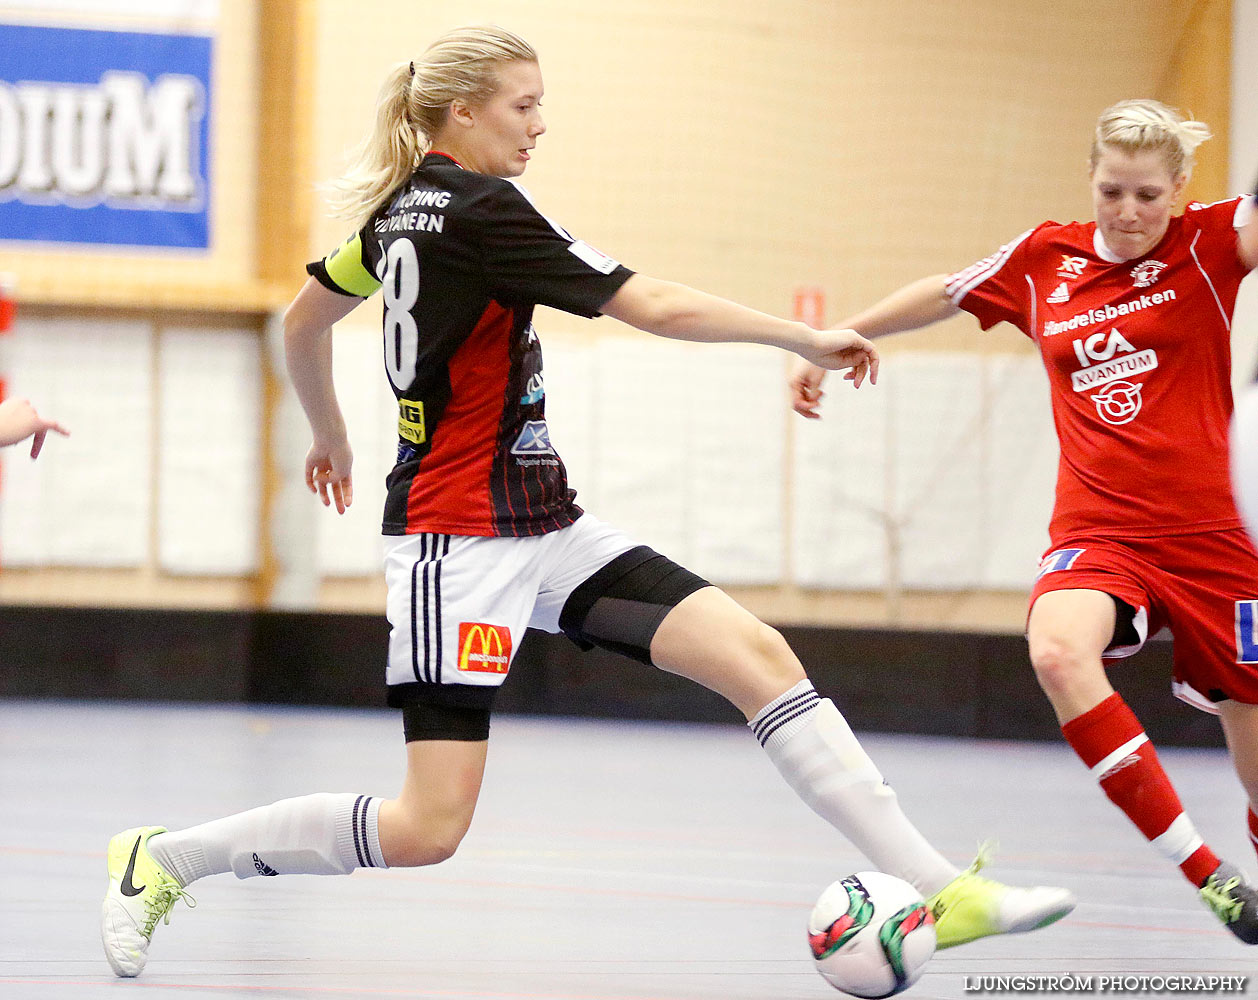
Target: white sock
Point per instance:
(322, 834)
(817, 753)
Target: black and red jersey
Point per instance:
(462, 259)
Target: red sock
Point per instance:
(1253, 828)
(1111, 741)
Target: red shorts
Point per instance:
(1203, 587)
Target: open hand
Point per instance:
(328, 474)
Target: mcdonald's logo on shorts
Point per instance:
(484, 648)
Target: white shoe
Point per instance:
(971, 907)
(131, 911)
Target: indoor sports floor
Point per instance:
(607, 861)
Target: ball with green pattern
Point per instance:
(871, 935)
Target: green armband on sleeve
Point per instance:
(345, 267)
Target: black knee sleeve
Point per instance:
(621, 606)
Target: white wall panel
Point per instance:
(947, 466)
(87, 501)
(938, 494)
(643, 411)
(839, 490)
(349, 543)
(209, 451)
(737, 455)
(1022, 445)
(294, 514)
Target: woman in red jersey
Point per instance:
(1132, 317)
(484, 537)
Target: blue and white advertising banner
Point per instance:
(104, 137)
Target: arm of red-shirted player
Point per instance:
(308, 353)
(917, 304)
(679, 312)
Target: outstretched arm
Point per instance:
(308, 352)
(916, 305)
(19, 421)
(679, 312)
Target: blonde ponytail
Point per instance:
(412, 107)
(385, 158)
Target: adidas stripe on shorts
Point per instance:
(458, 605)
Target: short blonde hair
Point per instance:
(412, 107)
(1147, 124)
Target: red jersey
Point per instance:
(1138, 355)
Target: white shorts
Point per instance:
(459, 604)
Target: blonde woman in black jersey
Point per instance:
(484, 537)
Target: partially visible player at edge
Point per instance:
(19, 420)
(1132, 316)
(1245, 453)
(483, 535)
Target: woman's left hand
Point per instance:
(839, 349)
(328, 474)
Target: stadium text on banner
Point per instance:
(104, 137)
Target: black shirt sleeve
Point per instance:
(529, 258)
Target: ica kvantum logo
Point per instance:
(104, 137)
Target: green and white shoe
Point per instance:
(1233, 900)
(972, 907)
(140, 894)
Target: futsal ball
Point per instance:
(871, 935)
